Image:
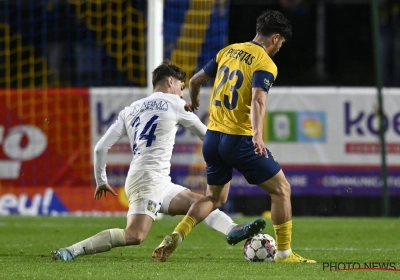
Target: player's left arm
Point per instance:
(257, 113)
(261, 83)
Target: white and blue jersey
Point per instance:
(150, 124)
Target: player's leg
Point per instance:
(279, 190)
(179, 199)
(181, 202)
(266, 173)
(198, 211)
(216, 146)
(219, 175)
(281, 212)
(144, 190)
(281, 215)
(215, 197)
(140, 216)
(136, 231)
(137, 228)
(101, 242)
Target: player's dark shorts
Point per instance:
(223, 152)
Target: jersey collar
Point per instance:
(255, 43)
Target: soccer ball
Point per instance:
(260, 248)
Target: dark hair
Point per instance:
(167, 69)
(270, 22)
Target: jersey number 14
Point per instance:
(150, 125)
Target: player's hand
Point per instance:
(259, 146)
(103, 189)
(191, 106)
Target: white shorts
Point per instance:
(150, 192)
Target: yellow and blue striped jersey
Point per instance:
(237, 69)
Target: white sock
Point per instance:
(101, 242)
(219, 221)
(180, 237)
(283, 253)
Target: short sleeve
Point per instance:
(211, 68)
(262, 79)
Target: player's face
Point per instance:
(277, 42)
(178, 87)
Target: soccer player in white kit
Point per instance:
(151, 124)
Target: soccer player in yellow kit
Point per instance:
(243, 73)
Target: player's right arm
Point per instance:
(103, 189)
(115, 132)
(191, 121)
(205, 74)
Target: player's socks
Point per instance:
(185, 226)
(179, 237)
(283, 235)
(283, 253)
(101, 242)
(219, 221)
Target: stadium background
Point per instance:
(68, 66)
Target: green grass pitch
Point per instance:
(26, 242)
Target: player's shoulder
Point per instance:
(180, 105)
(265, 63)
(156, 96)
(232, 46)
(269, 63)
(163, 101)
(228, 50)
(250, 46)
(173, 99)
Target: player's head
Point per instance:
(274, 26)
(170, 78)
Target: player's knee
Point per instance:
(282, 190)
(218, 201)
(193, 200)
(134, 238)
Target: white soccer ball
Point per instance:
(260, 248)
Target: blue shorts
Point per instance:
(223, 152)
